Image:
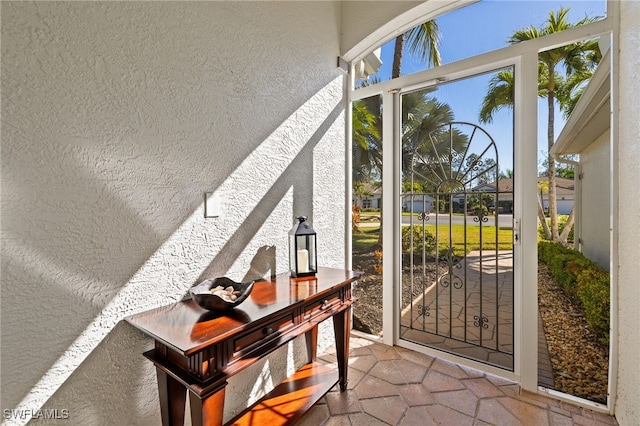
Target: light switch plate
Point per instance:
(212, 204)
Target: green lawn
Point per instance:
(504, 238)
(366, 238)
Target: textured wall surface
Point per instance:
(596, 191)
(628, 391)
(116, 118)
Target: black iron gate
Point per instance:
(457, 246)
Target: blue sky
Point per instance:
(487, 26)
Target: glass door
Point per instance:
(456, 290)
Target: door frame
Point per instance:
(525, 146)
(524, 57)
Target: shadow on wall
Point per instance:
(298, 176)
(115, 368)
(112, 128)
(181, 260)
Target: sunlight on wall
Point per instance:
(263, 184)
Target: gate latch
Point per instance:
(516, 231)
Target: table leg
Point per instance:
(311, 338)
(173, 396)
(342, 331)
(207, 411)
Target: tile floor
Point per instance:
(396, 386)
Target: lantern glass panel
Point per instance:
(302, 249)
(312, 253)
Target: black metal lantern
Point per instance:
(303, 260)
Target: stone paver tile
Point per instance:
(523, 410)
(570, 407)
(360, 351)
(364, 419)
(463, 401)
(557, 419)
(560, 411)
(328, 358)
(417, 416)
(472, 372)
(604, 418)
(387, 371)
(354, 378)
(482, 388)
(362, 363)
(541, 400)
(492, 412)
(415, 394)
(372, 387)
(359, 342)
(343, 402)
(435, 381)
(383, 352)
(511, 390)
(586, 419)
(412, 372)
(342, 420)
(418, 358)
(447, 417)
(499, 381)
(315, 416)
(389, 409)
(500, 359)
(448, 368)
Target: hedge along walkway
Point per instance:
(580, 363)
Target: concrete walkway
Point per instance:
(488, 278)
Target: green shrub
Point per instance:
(417, 232)
(593, 292)
(562, 221)
(582, 280)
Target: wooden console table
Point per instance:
(196, 351)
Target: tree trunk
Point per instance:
(543, 220)
(553, 208)
(397, 56)
(567, 227)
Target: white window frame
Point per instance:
(525, 58)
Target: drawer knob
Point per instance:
(325, 304)
(267, 330)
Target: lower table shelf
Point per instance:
(288, 402)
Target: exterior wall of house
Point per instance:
(359, 19)
(627, 86)
(116, 118)
(372, 202)
(564, 206)
(596, 215)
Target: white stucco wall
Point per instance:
(596, 196)
(627, 85)
(116, 118)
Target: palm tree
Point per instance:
(543, 187)
(422, 116)
(579, 61)
(366, 140)
(423, 41)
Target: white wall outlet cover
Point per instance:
(212, 204)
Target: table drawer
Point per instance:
(322, 306)
(258, 336)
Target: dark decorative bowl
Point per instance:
(201, 293)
